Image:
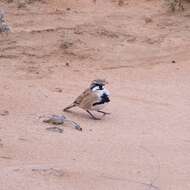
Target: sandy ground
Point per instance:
(142, 50)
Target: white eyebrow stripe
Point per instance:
(95, 88)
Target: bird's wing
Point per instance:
(87, 99)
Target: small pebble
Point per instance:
(77, 127)
(4, 113)
(147, 20)
(58, 90)
(67, 64)
(121, 2)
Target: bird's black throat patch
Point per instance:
(104, 99)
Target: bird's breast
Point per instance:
(103, 99)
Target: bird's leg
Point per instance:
(93, 117)
(69, 107)
(105, 113)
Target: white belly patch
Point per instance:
(99, 107)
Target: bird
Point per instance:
(94, 98)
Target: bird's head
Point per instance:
(98, 82)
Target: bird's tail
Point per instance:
(70, 106)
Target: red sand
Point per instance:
(144, 144)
